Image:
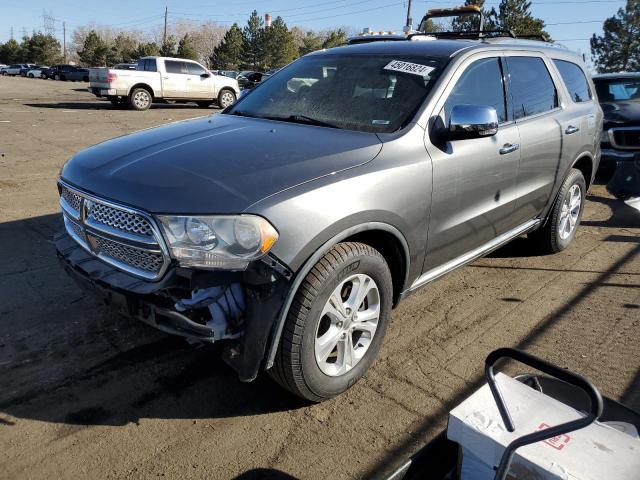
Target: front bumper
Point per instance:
(612, 156)
(154, 302)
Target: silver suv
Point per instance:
(291, 224)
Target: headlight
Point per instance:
(604, 137)
(224, 242)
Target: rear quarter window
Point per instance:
(575, 81)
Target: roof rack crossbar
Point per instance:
(467, 34)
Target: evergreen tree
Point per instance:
(24, 49)
(147, 50)
(335, 38)
(10, 52)
(515, 15)
(618, 49)
(186, 48)
(278, 44)
(44, 49)
(228, 55)
(168, 48)
(253, 51)
(123, 49)
(468, 23)
(94, 50)
(310, 43)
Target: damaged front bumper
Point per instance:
(239, 307)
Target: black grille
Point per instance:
(627, 138)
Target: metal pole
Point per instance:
(409, 20)
(64, 42)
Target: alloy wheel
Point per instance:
(141, 99)
(347, 325)
(226, 99)
(570, 212)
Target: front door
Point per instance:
(474, 180)
(200, 82)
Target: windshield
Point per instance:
(369, 93)
(618, 90)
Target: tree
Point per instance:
(123, 49)
(618, 49)
(10, 52)
(168, 48)
(515, 15)
(147, 50)
(335, 38)
(24, 49)
(94, 51)
(44, 49)
(278, 44)
(228, 55)
(471, 22)
(310, 43)
(186, 48)
(253, 51)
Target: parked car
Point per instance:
(289, 225)
(59, 72)
(77, 74)
(125, 66)
(248, 79)
(619, 96)
(26, 68)
(160, 79)
(14, 69)
(36, 72)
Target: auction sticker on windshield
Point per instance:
(406, 67)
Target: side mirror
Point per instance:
(472, 121)
(205, 75)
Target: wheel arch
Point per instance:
(145, 86)
(584, 163)
(385, 238)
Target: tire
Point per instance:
(564, 218)
(56, 77)
(30, 75)
(140, 99)
(204, 104)
(348, 268)
(226, 98)
(85, 79)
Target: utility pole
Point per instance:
(64, 42)
(409, 19)
(164, 35)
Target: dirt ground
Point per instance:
(85, 393)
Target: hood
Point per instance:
(218, 164)
(620, 114)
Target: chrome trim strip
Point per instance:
(612, 137)
(481, 251)
(69, 210)
(105, 232)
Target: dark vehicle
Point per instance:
(248, 79)
(67, 72)
(619, 96)
(26, 68)
(291, 224)
(126, 66)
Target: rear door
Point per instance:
(474, 180)
(535, 109)
(174, 79)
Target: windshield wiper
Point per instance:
(303, 119)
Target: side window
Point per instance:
(531, 86)
(480, 84)
(173, 66)
(573, 77)
(195, 69)
(150, 65)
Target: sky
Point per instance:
(571, 22)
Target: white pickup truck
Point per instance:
(160, 79)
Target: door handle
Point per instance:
(571, 129)
(508, 148)
(165, 78)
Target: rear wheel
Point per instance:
(336, 323)
(30, 75)
(140, 99)
(564, 218)
(226, 98)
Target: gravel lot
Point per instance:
(85, 393)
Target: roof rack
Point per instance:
(472, 34)
(453, 12)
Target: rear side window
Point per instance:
(147, 65)
(573, 77)
(173, 66)
(480, 84)
(532, 89)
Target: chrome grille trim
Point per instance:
(612, 137)
(121, 236)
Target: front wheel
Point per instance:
(30, 75)
(226, 98)
(336, 323)
(564, 218)
(140, 99)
